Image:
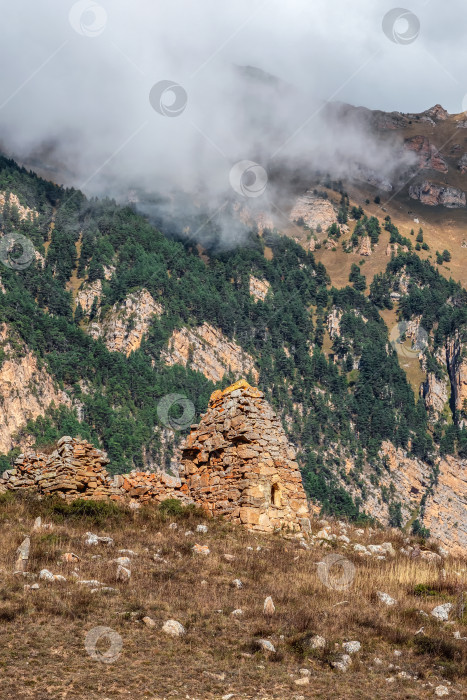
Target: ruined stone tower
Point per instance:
(238, 463)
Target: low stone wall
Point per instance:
(76, 469)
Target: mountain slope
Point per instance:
(107, 294)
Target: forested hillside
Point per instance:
(341, 390)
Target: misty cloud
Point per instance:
(75, 89)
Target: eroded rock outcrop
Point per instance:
(446, 508)
(435, 392)
(259, 288)
(123, 327)
(314, 211)
(26, 389)
(205, 349)
(86, 295)
(456, 360)
(13, 201)
(433, 195)
(238, 463)
(428, 155)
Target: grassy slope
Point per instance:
(42, 632)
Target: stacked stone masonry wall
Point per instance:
(237, 463)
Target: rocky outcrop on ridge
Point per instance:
(205, 349)
(123, 327)
(433, 195)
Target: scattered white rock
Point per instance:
(317, 642)
(323, 535)
(237, 613)
(377, 661)
(351, 647)
(441, 612)
(360, 548)
(59, 577)
(441, 691)
(342, 663)
(269, 608)
(173, 526)
(385, 598)
(92, 539)
(237, 583)
(93, 583)
(46, 575)
(188, 533)
(202, 528)
(134, 505)
(266, 645)
(229, 557)
(128, 552)
(397, 652)
(174, 628)
(344, 538)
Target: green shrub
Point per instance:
(97, 512)
(422, 589)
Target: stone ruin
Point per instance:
(237, 463)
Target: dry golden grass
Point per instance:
(43, 631)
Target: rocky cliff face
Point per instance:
(205, 349)
(259, 288)
(407, 480)
(429, 158)
(26, 389)
(435, 393)
(123, 327)
(314, 211)
(86, 295)
(433, 195)
(446, 508)
(12, 199)
(456, 360)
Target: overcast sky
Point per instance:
(81, 73)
